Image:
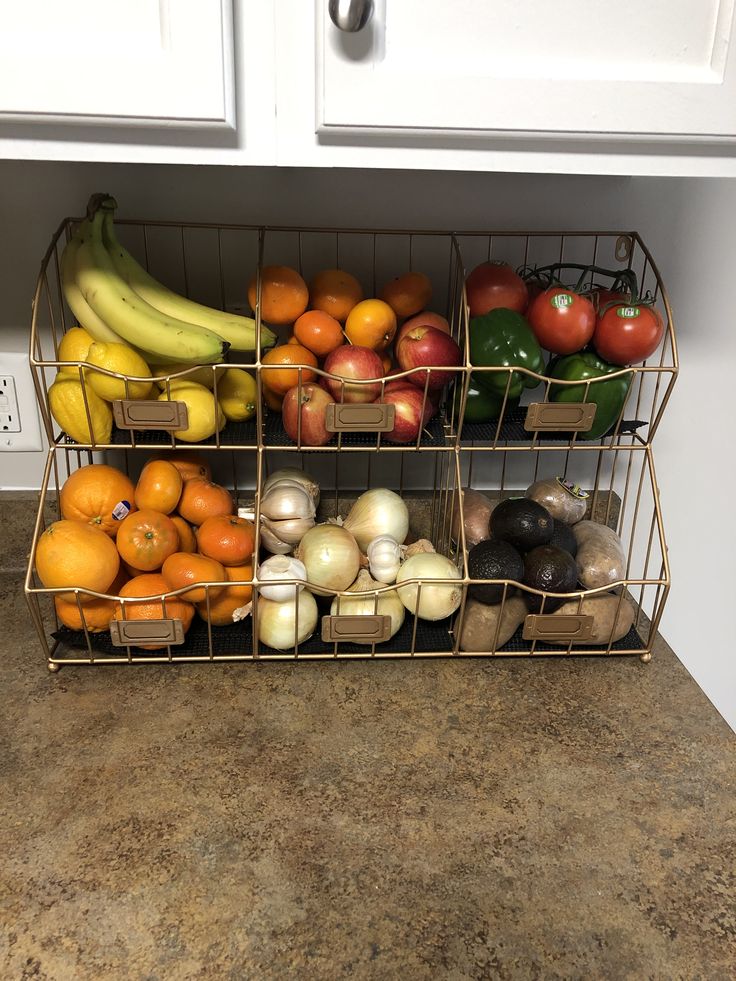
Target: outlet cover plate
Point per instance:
(15, 372)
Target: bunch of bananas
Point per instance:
(116, 301)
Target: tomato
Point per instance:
(563, 322)
(628, 334)
(602, 297)
(495, 284)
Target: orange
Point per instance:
(97, 612)
(318, 332)
(280, 380)
(99, 494)
(227, 539)
(372, 323)
(183, 568)
(146, 539)
(284, 295)
(230, 599)
(272, 400)
(408, 294)
(203, 499)
(159, 486)
(75, 554)
(187, 541)
(154, 584)
(335, 292)
(188, 464)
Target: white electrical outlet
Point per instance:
(20, 427)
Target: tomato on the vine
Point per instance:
(626, 334)
(495, 284)
(563, 321)
(601, 297)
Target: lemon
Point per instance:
(201, 375)
(123, 360)
(204, 415)
(67, 404)
(73, 347)
(237, 394)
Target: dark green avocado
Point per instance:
(492, 559)
(522, 523)
(563, 538)
(551, 569)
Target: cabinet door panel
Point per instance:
(142, 62)
(664, 68)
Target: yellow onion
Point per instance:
(436, 600)
(384, 604)
(377, 512)
(331, 557)
(277, 622)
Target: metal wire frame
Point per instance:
(624, 495)
(450, 253)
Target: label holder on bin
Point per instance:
(150, 414)
(556, 417)
(359, 418)
(125, 633)
(371, 628)
(558, 627)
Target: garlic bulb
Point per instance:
(436, 600)
(274, 571)
(384, 604)
(286, 500)
(291, 531)
(331, 557)
(384, 558)
(377, 512)
(292, 473)
(283, 625)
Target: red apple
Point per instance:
(433, 397)
(412, 412)
(427, 347)
(495, 284)
(426, 319)
(312, 409)
(360, 363)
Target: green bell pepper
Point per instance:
(482, 404)
(503, 339)
(608, 396)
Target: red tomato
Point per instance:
(563, 322)
(495, 284)
(602, 297)
(628, 334)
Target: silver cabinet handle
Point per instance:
(350, 15)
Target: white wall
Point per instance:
(687, 223)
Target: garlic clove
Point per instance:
(290, 531)
(272, 543)
(294, 474)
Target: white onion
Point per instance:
(275, 570)
(358, 605)
(292, 473)
(331, 557)
(377, 512)
(277, 622)
(384, 558)
(437, 600)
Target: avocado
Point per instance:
(492, 559)
(522, 523)
(564, 538)
(551, 569)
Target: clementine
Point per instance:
(146, 539)
(280, 380)
(183, 569)
(98, 494)
(372, 323)
(188, 464)
(203, 499)
(318, 332)
(159, 486)
(77, 555)
(187, 541)
(232, 598)
(407, 294)
(335, 292)
(284, 294)
(96, 614)
(152, 585)
(227, 539)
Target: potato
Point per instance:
(476, 512)
(480, 622)
(601, 559)
(561, 497)
(604, 608)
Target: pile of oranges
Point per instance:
(324, 315)
(175, 529)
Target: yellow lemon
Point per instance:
(125, 361)
(67, 404)
(202, 375)
(74, 346)
(204, 415)
(237, 394)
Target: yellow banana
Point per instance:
(239, 331)
(86, 317)
(130, 316)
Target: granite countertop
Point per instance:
(515, 818)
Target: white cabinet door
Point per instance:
(156, 63)
(659, 70)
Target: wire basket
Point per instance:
(622, 495)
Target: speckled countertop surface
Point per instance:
(468, 819)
